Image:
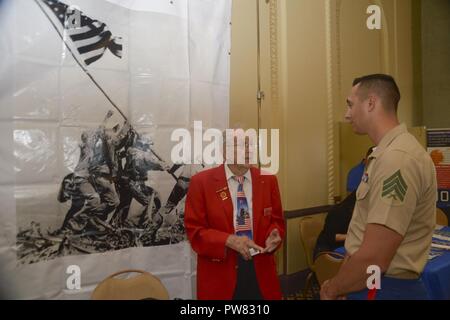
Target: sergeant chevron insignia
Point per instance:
(394, 187)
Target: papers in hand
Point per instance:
(254, 252)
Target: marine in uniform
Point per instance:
(394, 215)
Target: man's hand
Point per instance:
(327, 292)
(272, 241)
(242, 245)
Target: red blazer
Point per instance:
(209, 221)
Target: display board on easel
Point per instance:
(439, 150)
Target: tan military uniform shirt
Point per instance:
(398, 190)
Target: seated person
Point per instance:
(336, 225)
(338, 219)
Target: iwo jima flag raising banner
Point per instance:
(87, 180)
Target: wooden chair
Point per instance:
(327, 265)
(441, 218)
(310, 229)
(144, 286)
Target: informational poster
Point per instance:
(439, 150)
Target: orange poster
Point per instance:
(439, 150)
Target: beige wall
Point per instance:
(313, 72)
(305, 103)
(390, 51)
(243, 77)
(436, 63)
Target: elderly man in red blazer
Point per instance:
(234, 221)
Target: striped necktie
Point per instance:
(243, 223)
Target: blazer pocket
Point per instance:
(267, 212)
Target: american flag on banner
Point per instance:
(91, 37)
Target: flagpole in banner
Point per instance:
(86, 71)
(79, 63)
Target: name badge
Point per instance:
(365, 178)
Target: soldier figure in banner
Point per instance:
(170, 222)
(91, 186)
(139, 159)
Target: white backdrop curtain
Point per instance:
(174, 69)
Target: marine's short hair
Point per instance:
(382, 85)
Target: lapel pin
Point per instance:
(223, 196)
(222, 193)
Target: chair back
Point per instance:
(144, 286)
(441, 218)
(327, 265)
(310, 229)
